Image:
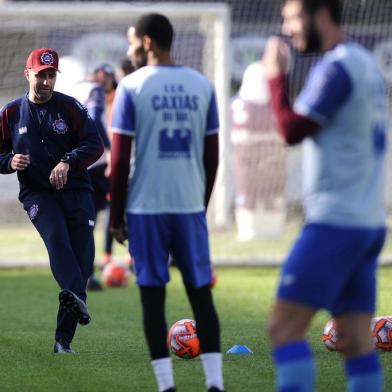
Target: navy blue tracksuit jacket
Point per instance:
(66, 128)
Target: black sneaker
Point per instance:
(170, 390)
(93, 284)
(62, 347)
(74, 304)
(215, 389)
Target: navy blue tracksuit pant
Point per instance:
(65, 221)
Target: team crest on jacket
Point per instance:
(47, 58)
(33, 211)
(60, 126)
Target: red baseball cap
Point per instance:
(43, 58)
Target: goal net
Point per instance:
(259, 180)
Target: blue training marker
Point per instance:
(239, 349)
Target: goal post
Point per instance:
(89, 33)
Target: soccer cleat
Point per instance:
(215, 389)
(170, 390)
(62, 347)
(93, 284)
(74, 304)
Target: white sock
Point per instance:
(163, 371)
(212, 366)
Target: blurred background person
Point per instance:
(96, 93)
(259, 159)
(124, 68)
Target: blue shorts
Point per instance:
(333, 268)
(152, 237)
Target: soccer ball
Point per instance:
(381, 329)
(182, 339)
(330, 336)
(115, 275)
(382, 332)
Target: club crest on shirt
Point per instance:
(33, 211)
(60, 126)
(22, 130)
(175, 143)
(47, 58)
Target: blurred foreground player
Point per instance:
(168, 114)
(342, 113)
(49, 140)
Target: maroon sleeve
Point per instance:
(6, 149)
(292, 126)
(120, 157)
(211, 161)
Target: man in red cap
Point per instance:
(49, 140)
(44, 63)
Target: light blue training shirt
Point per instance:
(344, 162)
(168, 110)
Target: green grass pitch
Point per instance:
(112, 354)
(20, 241)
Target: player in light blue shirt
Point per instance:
(168, 114)
(342, 113)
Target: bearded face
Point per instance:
(300, 26)
(136, 52)
(312, 37)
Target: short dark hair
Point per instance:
(334, 7)
(158, 28)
